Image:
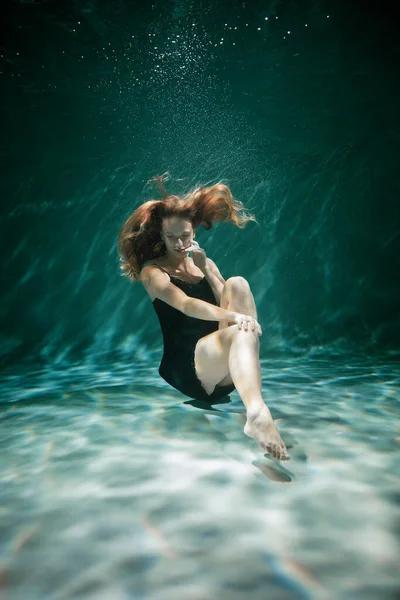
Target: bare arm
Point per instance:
(158, 285)
(209, 269)
(214, 278)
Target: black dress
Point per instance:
(181, 334)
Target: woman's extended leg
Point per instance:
(231, 354)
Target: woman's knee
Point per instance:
(237, 284)
(237, 296)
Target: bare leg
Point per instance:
(236, 353)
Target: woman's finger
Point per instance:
(193, 248)
(248, 323)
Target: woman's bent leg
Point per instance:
(236, 353)
(237, 296)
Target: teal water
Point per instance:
(113, 485)
(116, 487)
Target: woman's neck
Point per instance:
(177, 263)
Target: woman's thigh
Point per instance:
(237, 296)
(212, 351)
(211, 358)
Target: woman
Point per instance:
(209, 325)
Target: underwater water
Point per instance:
(113, 485)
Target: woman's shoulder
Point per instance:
(153, 279)
(151, 269)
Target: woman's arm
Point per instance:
(214, 278)
(158, 285)
(209, 268)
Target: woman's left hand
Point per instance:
(198, 255)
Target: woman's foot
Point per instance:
(262, 428)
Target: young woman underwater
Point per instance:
(209, 325)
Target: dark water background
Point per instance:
(97, 97)
(111, 486)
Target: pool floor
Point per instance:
(114, 486)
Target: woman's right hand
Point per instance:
(247, 322)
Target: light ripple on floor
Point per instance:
(116, 488)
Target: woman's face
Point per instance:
(177, 235)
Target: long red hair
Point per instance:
(140, 238)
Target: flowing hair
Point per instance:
(140, 238)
